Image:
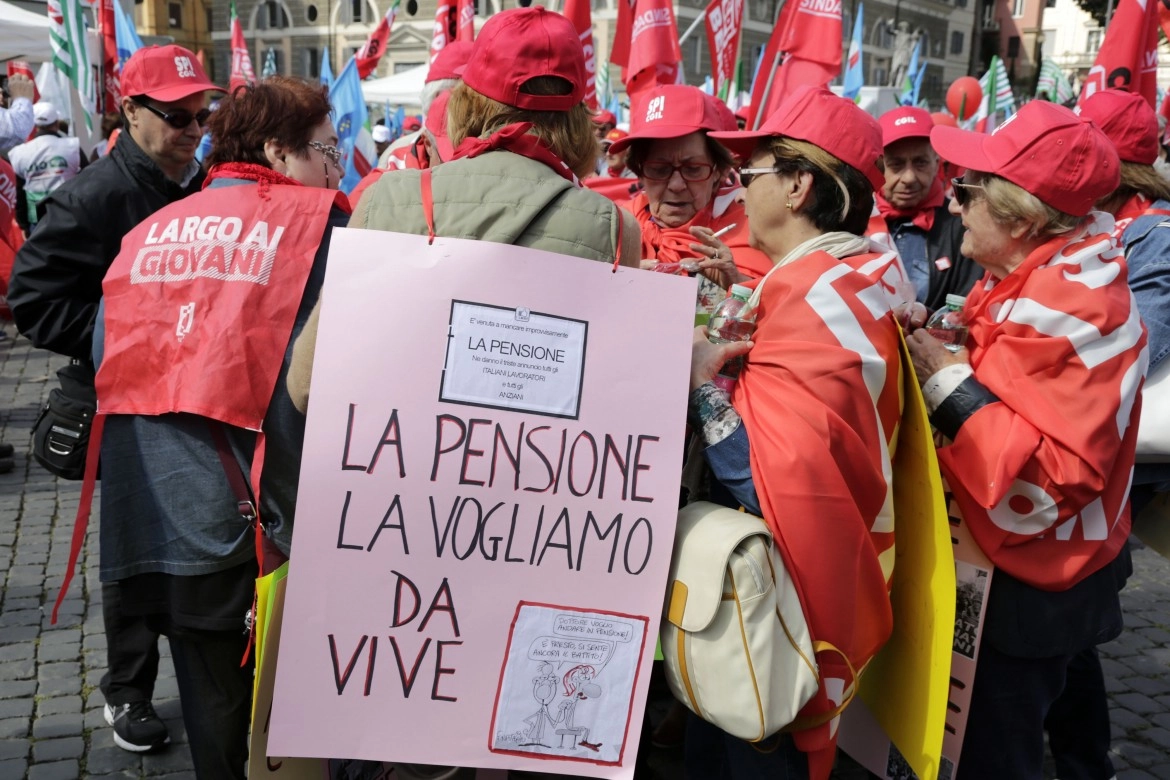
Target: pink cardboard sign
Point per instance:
(487, 507)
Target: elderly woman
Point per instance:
(818, 399)
(1040, 411)
(685, 199)
(188, 409)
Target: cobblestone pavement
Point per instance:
(51, 723)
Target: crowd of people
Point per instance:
(843, 226)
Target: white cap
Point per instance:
(45, 113)
(381, 134)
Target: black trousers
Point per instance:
(131, 652)
(1078, 727)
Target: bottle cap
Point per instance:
(956, 300)
(739, 291)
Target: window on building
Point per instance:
(311, 13)
(175, 15)
(210, 17)
(312, 60)
(355, 12)
(957, 42)
(1094, 42)
(271, 16)
(1018, 7)
(960, 3)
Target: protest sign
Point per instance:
(487, 505)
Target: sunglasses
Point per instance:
(748, 175)
(660, 170)
(962, 197)
(332, 152)
(180, 118)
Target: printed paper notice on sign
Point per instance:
(516, 359)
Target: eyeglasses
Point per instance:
(332, 152)
(962, 197)
(748, 175)
(180, 118)
(660, 170)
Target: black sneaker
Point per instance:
(137, 727)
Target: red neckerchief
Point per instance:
(515, 138)
(922, 216)
(667, 244)
(1137, 206)
(265, 177)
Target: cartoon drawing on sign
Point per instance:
(588, 661)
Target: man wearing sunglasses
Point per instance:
(57, 284)
(913, 209)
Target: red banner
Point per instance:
(1128, 58)
(371, 53)
(242, 72)
(724, 25)
(654, 49)
(465, 26)
(805, 48)
(580, 14)
(111, 85)
(444, 31)
(620, 53)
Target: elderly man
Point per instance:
(57, 285)
(913, 209)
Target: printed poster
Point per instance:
(487, 506)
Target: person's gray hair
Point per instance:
(433, 90)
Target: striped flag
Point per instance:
(854, 71)
(997, 96)
(1053, 83)
(269, 68)
(70, 55)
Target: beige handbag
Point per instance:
(735, 641)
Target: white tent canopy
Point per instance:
(23, 35)
(401, 89)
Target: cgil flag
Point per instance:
(445, 30)
(579, 13)
(854, 70)
(804, 48)
(1128, 58)
(241, 73)
(127, 36)
(654, 54)
(465, 21)
(1053, 83)
(70, 54)
(370, 54)
(997, 96)
(724, 28)
(350, 117)
(111, 83)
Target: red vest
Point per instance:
(200, 302)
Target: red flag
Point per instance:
(1164, 17)
(368, 55)
(465, 27)
(619, 54)
(724, 24)
(444, 31)
(110, 83)
(242, 72)
(654, 50)
(1128, 58)
(580, 14)
(805, 48)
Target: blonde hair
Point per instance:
(1136, 179)
(1010, 204)
(842, 196)
(568, 133)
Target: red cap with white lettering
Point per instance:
(905, 122)
(165, 73)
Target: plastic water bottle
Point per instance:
(948, 324)
(733, 320)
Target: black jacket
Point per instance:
(57, 275)
(943, 240)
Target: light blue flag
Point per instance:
(399, 120)
(349, 117)
(388, 116)
(326, 69)
(907, 97)
(917, 85)
(854, 70)
(127, 38)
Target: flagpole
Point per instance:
(702, 15)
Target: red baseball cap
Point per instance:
(1061, 158)
(520, 44)
(672, 111)
(437, 125)
(448, 62)
(1127, 120)
(816, 115)
(165, 73)
(905, 122)
(613, 136)
(604, 117)
(411, 124)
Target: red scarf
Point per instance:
(263, 176)
(1137, 206)
(922, 215)
(515, 138)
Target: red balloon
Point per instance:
(964, 97)
(945, 119)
